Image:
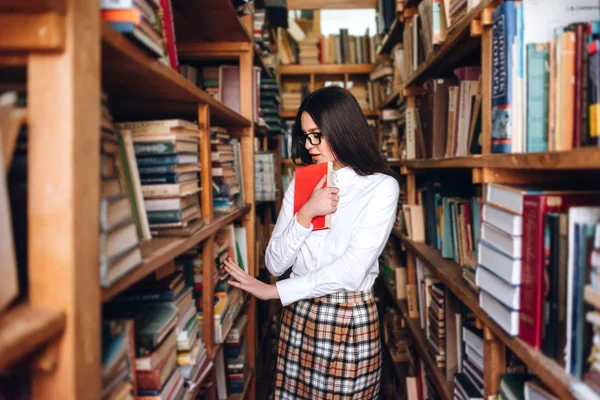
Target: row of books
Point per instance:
(451, 338)
(148, 23)
(158, 318)
(536, 256)
(228, 193)
(425, 30)
(545, 94)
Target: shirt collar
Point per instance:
(343, 174)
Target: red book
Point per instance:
(535, 207)
(169, 33)
(306, 180)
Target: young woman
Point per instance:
(329, 344)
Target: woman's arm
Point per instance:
(348, 271)
(287, 238)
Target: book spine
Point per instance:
(538, 77)
(127, 174)
(154, 148)
(157, 170)
(530, 316)
(169, 33)
(161, 190)
(152, 180)
(164, 217)
(153, 161)
(504, 32)
(594, 92)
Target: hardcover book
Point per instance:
(306, 180)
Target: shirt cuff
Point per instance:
(293, 289)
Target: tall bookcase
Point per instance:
(67, 55)
(474, 32)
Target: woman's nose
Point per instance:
(308, 145)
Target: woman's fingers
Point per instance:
(235, 271)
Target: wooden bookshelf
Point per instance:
(438, 377)
(450, 274)
(84, 56)
(159, 251)
(25, 329)
(326, 69)
(143, 88)
(259, 62)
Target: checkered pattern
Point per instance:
(329, 348)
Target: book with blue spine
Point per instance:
(538, 80)
(504, 32)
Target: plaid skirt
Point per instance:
(329, 348)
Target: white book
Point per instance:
(473, 340)
(508, 244)
(506, 318)
(499, 263)
(508, 295)
(504, 220)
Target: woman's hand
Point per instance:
(240, 279)
(323, 201)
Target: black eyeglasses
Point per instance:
(313, 137)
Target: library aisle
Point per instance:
(144, 142)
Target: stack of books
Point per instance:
(469, 382)
(156, 371)
(235, 351)
(118, 359)
(269, 104)
(264, 176)
(436, 321)
(226, 172)
(148, 23)
(119, 236)
(167, 156)
(359, 91)
(309, 50)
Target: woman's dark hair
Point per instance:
(340, 118)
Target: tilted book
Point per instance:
(306, 180)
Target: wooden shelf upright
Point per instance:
(68, 56)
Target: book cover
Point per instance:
(306, 179)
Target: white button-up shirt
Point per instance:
(344, 257)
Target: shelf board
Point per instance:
(25, 329)
(576, 159)
(158, 251)
(393, 36)
(326, 69)
(450, 273)
(444, 387)
(292, 114)
(460, 33)
(189, 15)
(140, 87)
(394, 163)
(242, 396)
(33, 6)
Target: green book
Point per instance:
(538, 76)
